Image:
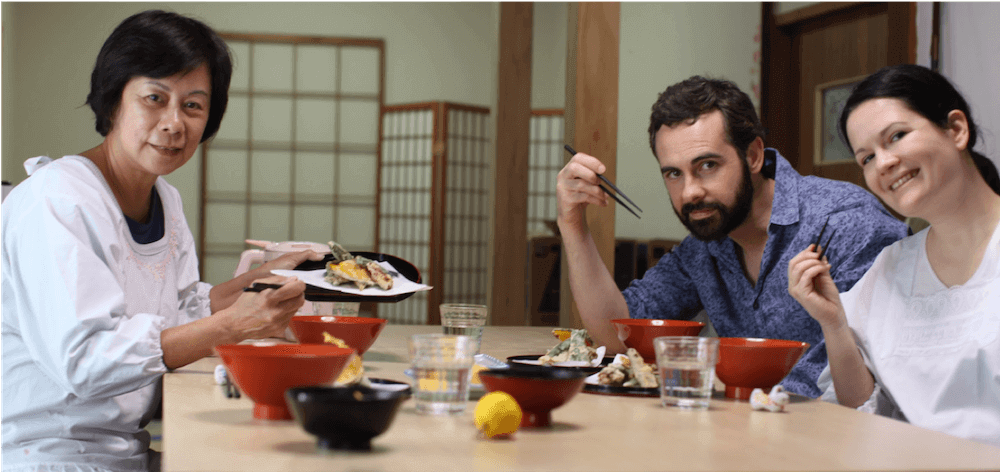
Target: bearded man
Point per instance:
(748, 212)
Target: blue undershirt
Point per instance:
(152, 230)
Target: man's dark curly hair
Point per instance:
(686, 101)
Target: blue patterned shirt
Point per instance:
(708, 275)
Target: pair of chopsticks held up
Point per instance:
(605, 189)
(821, 249)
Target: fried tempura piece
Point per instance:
(641, 373)
(339, 253)
(575, 348)
(382, 279)
(353, 272)
(331, 276)
(614, 375)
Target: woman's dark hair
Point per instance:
(158, 44)
(925, 92)
(687, 100)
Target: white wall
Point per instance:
(970, 58)
(661, 44)
(548, 55)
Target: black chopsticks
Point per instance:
(823, 248)
(572, 152)
(260, 287)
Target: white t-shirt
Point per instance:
(83, 309)
(933, 350)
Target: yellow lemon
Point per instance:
(497, 414)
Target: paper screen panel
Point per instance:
(466, 215)
(321, 61)
(545, 158)
(316, 121)
(283, 164)
(360, 65)
(234, 126)
(405, 204)
(272, 67)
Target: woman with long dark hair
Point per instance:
(918, 337)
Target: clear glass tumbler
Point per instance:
(442, 367)
(687, 370)
(464, 319)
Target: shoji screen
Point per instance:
(297, 155)
(546, 158)
(434, 209)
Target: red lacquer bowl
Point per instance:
(537, 391)
(265, 372)
(749, 363)
(639, 334)
(358, 332)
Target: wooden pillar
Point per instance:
(509, 241)
(592, 119)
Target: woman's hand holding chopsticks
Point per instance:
(810, 283)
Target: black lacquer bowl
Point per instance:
(345, 418)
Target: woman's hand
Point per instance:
(225, 294)
(810, 283)
(289, 261)
(265, 314)
(251, 315)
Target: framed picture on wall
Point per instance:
(830, 99)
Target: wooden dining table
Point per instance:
(203, 430)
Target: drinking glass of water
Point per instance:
(464, 319)
(442, 367)
(687, 370)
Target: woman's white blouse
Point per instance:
(83, 308)
(933, 350)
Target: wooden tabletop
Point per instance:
(205, 431)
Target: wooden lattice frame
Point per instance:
(292, 146)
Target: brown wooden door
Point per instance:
(814, 54)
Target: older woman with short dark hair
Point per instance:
(101, 293)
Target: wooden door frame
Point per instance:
(779, 63)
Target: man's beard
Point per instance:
(726, 219)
